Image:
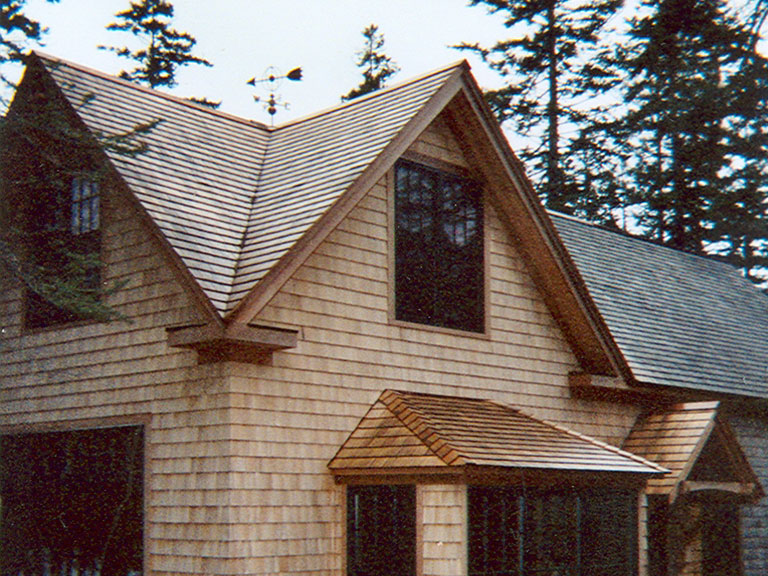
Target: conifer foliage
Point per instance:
(696, 114)
(547, 71)
(659, 127)
(376, 65)
(166, 49)
(15, 29)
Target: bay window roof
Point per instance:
(405, 431)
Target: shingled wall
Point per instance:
(752, 431)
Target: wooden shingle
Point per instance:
(410, 430)
(233, 196)
(680, 319)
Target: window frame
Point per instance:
(452, 171)
(137, 426)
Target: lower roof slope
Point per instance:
(406, 430)
(679, 319)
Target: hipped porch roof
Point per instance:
(410, 431)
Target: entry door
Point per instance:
(721, 537)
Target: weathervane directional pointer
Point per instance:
(271, 81)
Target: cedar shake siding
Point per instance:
(260, 329)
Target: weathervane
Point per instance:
(271, 81)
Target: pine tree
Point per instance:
(377, 67)
(696, 116)
(740, 212)
(167, 49)
(543, 63)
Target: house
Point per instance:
(356, 344)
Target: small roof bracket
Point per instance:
(235, 342)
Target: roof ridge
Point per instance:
(397, 404)
(459, 64)
(152, 91)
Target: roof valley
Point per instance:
(251, 212)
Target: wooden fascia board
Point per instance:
(280, 273)
(551, 266)
(264, 337)
(692, 458)
(746, 489)
(490, 475)
(120, 186)
(614, 389)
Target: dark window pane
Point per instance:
(608, 534)
(72, 501)
(381, 530)
(439, 273)
(516, 532)
(550, 534)
(494, 543)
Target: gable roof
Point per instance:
(233, 196)
(241, 205)
(679, 319)
(406, 430)
(679, 437)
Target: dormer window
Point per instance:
(63, 228)
(439, 269)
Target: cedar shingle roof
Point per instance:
(676, 438)
(410, 430)
(196, 179)
(233, 196)
(679, 319)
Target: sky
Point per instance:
(243, 38)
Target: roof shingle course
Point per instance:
(455, 432)
(679, 319)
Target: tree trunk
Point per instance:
(554, 180)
